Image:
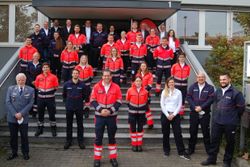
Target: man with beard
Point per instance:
(229, 106)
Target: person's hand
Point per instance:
(121, 80)
(171, 117)
(105, 112)
(18, 116)
(198, 108)
(33, 82)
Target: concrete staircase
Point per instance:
(152, 137)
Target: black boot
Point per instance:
(139, 149)
(86, 112)
(53, 131)
(39, 131)
(114, 162)
(134, 148)
(97, 163)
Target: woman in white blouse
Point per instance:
(171, 102)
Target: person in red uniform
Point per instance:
(78, 40)
(163, 55)
(137, 52)
(115, 65)
(86, 75)
(106, 49)
(174, 44)
(124, 45)
(181, 71)
(69, 59)
(106, 99)
(147, 82)
(26, 54)
(131, 35)
(152, 41)
(137, 98)
(46, 84)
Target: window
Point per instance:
(238, 30)
(188, 26)
(26, 18)
(4, 23)
(216, 24)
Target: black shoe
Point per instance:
(134, 148)
(86, 112)
(82, 146)
(185, 156)
(150, 126)
(12, 156)
(53, 131)
(167, 153)
(190, 152)
(39, 131)
(207, 163)
(97, 163)
(33, 115)
(67, 145)
(26, 156)
(139, 149)
(114, 162)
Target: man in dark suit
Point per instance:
(56, 28)
(162, 31)
(87, 30)
(19, 101)
(144, 31)
(67, 30)
(46, 34)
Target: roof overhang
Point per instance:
(107, 9)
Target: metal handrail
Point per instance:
(9, 67)
(194, 63)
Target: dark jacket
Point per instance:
(65, 33)
(205, 100)
(98, 39)
(32, 72)
(74, 95)
(46, 38)
(37, 41)
(228, 108)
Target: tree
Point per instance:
(4, 23)
(244, 20)
(227, 56)
(24, 22)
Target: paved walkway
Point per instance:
(56, 156)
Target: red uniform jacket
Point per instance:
(106, 49)
(123, 47)
(69, 59)
(81, 40)
(163, 56)
(115, 66)
(111, 100)
(131, 36)
(180, 74)
(137, 101)
(46, 85)
(26, 55)
(147, 80)
(152, 41)
(86, 74)
(138, 53)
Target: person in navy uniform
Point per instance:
(33, 70)
(200, 97)
(19, 101)
(74, 94)
(229, 106)
(37, 40)
(99, 37)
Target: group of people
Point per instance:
(160, 54)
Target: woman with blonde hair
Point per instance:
(114, 63)
(171, 102)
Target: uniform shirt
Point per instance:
(225, 89)
(74, 95)
(88, 34)
(106, 87)
(201, 86)
(171, 103)
(98, 39)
